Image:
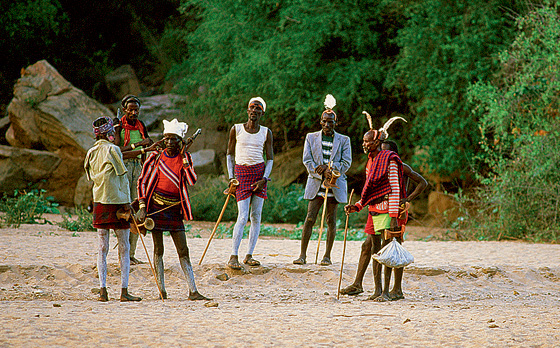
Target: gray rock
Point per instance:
(48, 113)
(19, 167)
(123, 81)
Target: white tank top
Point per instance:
(249, 147)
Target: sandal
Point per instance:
(249, 260)
(233, 263)
(300, 261)
(326, 261)
(352, 290)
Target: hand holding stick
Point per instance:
(344, 247)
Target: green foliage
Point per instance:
(284, 204)
(27, 208)
(83, 221)
(292, 53)
(519, 135)
(444, 47)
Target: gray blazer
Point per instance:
(341, 158)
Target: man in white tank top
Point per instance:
(245, 161)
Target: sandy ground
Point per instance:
(458, 294)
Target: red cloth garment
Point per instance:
(169, 168)
(149, 178)
(377, 182)
(248, 175)
(139, 126)
(105, 217)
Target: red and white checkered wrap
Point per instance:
(248, 175)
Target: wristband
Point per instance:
(265, 178)
(142, 205)
(132, 146)
(142, 150)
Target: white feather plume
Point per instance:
(388, 124)
(330, 102)
(369, 119)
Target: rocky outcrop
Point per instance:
(123, 81)
(20, 167)
(48, 113)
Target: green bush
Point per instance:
(82, 222)
(519, 135)
(27, 208)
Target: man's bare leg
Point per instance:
(331, 230)
(312, 210)
(385, 293)
(356, 287)
(376, 269)
(396, 293)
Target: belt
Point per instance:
(161, 200)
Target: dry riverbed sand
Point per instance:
(458, 294)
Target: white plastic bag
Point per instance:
(394, 255)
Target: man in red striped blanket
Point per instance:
(382, 193)
(162, 193)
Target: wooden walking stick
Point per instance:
(344, 247)
(148, 256)
(234, 183)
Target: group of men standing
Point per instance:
(127, 166)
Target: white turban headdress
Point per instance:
(258, 99)
(175, 127)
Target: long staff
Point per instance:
(322, 219)
(216, 225)
(344, 247)
(148, 256)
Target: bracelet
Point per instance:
(142, 150)
(267, 179)
(142, 205)
(132, 146)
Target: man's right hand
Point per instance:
(141, 215)
(350, 208)
(320, 169)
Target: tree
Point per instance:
(519, 132)
(445, 46)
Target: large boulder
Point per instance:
(19, 167)
(123, 81)
(48, 113)
(288, 166)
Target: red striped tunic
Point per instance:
(150, 177)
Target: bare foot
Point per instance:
(352, 290)
(396, 295)
(326, 261)
(383, 298)
(196, 296)
(375, 295)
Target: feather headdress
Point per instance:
(329, 103)
(387, 124)
(383, 130)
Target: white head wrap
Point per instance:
(260, 100)
(175, 127)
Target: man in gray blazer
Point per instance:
(321, 148)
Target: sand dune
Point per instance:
(458, 294)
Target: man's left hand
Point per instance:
(259, 185)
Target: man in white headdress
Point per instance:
(162, 192)
(323, 149)
(245, 162)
